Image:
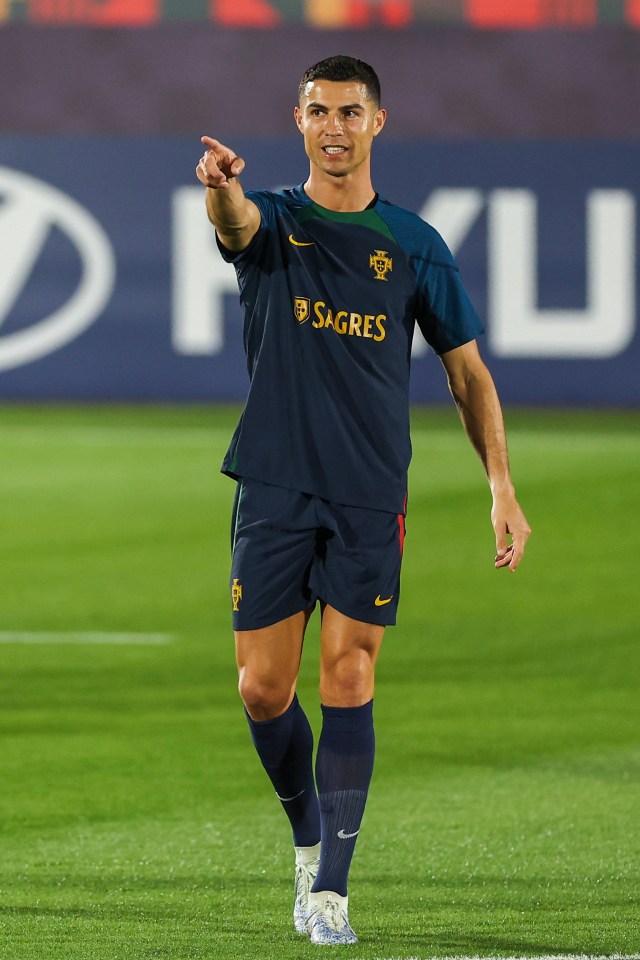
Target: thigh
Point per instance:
(268, 662)
(358, 570)
(274, 543)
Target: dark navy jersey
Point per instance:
(330, 304)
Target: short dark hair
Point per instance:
(341, 70)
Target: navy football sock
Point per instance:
(285, 747)
(343, 772)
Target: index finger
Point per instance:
(212, 144)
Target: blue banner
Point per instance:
(111, 287)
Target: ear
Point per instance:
(297, 114)
(379, 121)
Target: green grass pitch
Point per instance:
(135, 820)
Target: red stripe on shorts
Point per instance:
(402, 528)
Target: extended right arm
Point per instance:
(235, 218)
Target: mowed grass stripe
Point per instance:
(85, 637)
(549, 956)
(109, 436)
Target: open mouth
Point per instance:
(334, 151)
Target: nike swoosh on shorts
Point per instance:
(379, 602)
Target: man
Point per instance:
(332, 280)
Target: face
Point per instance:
(338, 122)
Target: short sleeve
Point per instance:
(442, 307)
(445, 314)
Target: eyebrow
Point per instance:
(347, 106)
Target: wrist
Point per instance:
(502, 487)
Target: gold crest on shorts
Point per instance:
(236, 594)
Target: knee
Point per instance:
(348, 680)
(264, 697)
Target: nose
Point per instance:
(334, 124)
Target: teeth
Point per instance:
(334, 149)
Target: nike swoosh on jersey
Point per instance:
(300, 243)
(379, 602)
(347, 836)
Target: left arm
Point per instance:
(475, 396)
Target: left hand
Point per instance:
(509, 520)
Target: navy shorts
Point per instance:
(291, 549)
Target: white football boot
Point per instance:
(307, 863)
(329, 919)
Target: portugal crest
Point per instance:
(236, 593)
(381, 263)
(301, 308)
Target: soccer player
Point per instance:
(332, 280)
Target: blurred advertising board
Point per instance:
(111, 287)
(326, 14)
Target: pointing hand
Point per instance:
(219, 166)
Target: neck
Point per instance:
(344, 194)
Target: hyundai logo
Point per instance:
(29, 211)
